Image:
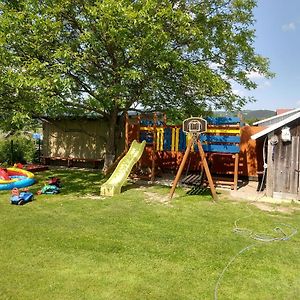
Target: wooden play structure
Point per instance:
(80, 142)
(220, 142)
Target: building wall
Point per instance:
(283, 163)
(251, 154)
(82, 138)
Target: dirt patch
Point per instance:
(271, 208)
(157, 198)
(93, 197)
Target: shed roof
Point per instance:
(277, 118)
(276, 125)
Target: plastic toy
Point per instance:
(15, 178)
(49, 189)
(53, 187)
(20, 198)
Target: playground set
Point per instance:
(166, 144)
(169, 146)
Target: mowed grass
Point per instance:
(77, 246)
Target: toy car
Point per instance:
(22, 198)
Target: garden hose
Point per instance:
(258, 238)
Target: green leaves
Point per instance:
(106, 55)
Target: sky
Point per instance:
(278, 38)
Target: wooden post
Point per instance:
(270, 170)
(179, 172)
(165, 119)
(115, 163)
(206, 168)
(236, 171)
(294, 175)
(126, 132)
(153, 166)
(138, 128)
(154, 147)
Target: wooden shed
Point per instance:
(74, 141)
(282, 155)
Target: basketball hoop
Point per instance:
(194, 125)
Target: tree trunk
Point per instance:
(110, 143)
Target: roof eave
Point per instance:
(294, 111)
(275, 126)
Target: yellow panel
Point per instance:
(146, 128)
(177, 139)
(162, 139)
(149, 128)
(228, 131)
(173, 140)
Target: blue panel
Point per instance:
(151, 122)
(146, 122)
(196, 149)
(220, 138)
(146, 136)
(182, 141)
(221, 148)
(167, 138)
(222, 120)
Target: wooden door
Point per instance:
(285, 160)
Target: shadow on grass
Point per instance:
(136, 185)
(73, 181)
(199, 190)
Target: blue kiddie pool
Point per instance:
(15, 178)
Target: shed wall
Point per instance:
(283, 164)
(81, 138)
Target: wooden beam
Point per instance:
(154, 147)
(126, 132)
(115, 163)
(294, 165)
(153, 165)
(138, 129)
(206, 168)
(179, 172)
(270, 171)
(236, 171)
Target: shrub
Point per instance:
(17, 149)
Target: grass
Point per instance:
(77, 246)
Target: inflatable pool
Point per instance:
(15, 178)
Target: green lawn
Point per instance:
(78, 246)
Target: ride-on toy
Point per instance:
(20, 198)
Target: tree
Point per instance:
(106, 57)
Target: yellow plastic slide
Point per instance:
(114, 184)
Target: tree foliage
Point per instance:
(106, 56)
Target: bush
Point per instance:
(17, 149)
